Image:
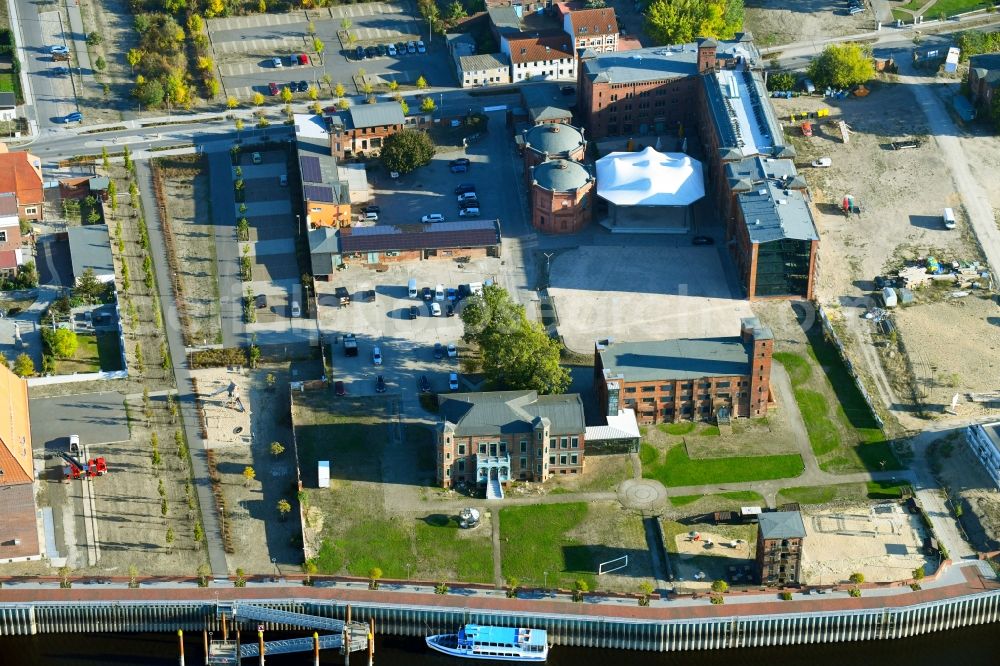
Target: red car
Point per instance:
(273, 87)
(303, 59)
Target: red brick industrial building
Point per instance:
(503, 436)
(361, 129)
(551, 141)
(779, 547)
(674, 380)
(562, 197)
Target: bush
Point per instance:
(785, 596)
(407, 150)
(781, 81)
(218, 358)
(843, 66)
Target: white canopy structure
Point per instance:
(649, 178)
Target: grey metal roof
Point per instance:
(676, 359)
(324, 239)
(504, 19)
(987, 66)
(743, 117)
(772, 213)
(375, 115)
(782, 525)
(554, 139)
(8, 100)
(658, 62)
(545, 102)
(506, 412)
(479, 63)
(90, 247)
(561, 175)
(435, 236)
(744, 174)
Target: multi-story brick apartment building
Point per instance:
(535, 58)
(10, 235)
(746, 175)
(361, 129)
(562, 197)
(496, 437)
(687, 379)
(551, 141)
(780, 535)
(595, 29)
(775, 242)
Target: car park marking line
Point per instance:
(255, 21)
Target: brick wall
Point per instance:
(539, 458)
(621, 109)
(562, 212)
(363, 141)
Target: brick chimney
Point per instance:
(760, 341)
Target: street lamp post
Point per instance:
(546, 585)
(277, 571)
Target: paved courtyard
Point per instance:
(640, 293)
(98, 418)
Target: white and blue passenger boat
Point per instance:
(474, 641)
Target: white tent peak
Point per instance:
(650, 178)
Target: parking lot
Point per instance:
(406, 345)
(637, 292)
(246, 45)
(98, 418)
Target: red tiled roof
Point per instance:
(8, 260)
(15, 431)
(18, 176)
(539, 49)
(596, 22)
(8, 204)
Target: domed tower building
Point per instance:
(562, 197)
(551, 141)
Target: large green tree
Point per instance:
(62, 342)
(407, 150)
(517, 353)
(843, 66)
(681, 21)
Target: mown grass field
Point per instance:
(675, 468)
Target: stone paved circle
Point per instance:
(642, 494)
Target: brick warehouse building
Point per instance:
(550, 141)
(671, 380)
(562, 197)
(361, 129)
(503, 436)
(779, 547)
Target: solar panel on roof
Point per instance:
(310, 169)
(318, 193)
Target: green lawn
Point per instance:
(735, 495)
(679, 428)
(820, 494)
(533, 540)
(675, 468)
(952, 7)
(86, 358)
(886, 489)
(6, 82)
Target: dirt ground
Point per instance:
(113, 20)
(757, 437)
(612, 527)
(883, 542)
(185, 187)
(962, 476)
(224, 400)
(900, 221)
(690, 558)
(775, 22)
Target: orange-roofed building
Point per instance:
(21, 175)
(18, 519)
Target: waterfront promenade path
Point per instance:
(962, 579)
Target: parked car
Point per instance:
(303, 59)
(256, 158)
(74, 117)
(59, 49)
(420, 47)
(424, 384)
(451, 294)
(272, 88)
(371, 52)
(435, 309)
(453, 381)
(439, 293)
(359, 53)
(303, 86)
(379, 384)
(465, 187)
(382, 51)
(372, 208)
(276, 63)
(567, 90)
(452, 351)
(855, 10)
(390, 50)
(451, 310)
(822, 162)
(432, 217)
(460, 160)
(438, 351)
(283, 180)
(376, 355)
(413, 312)
(411, 47)
(463, 291)
(459, 168)
(339, 390)
(370, 216)
(470, 211)
(703, 240)
(369, 296)
(427, 294)
(466, 196)
(260, 301)
(401, 48)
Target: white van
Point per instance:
(296, 310)
(439, 292)
(475, 287)
(411, 288)
(949, 218)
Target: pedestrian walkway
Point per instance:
(182, 376)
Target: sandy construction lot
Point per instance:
(774, 22)
(882, 542)
(642, 293)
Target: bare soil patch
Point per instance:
(966, 483)
(775, 22)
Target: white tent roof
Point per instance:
(649, 178)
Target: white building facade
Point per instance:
(984, 441)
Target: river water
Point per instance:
(973, 646)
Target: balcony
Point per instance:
(492, 467)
